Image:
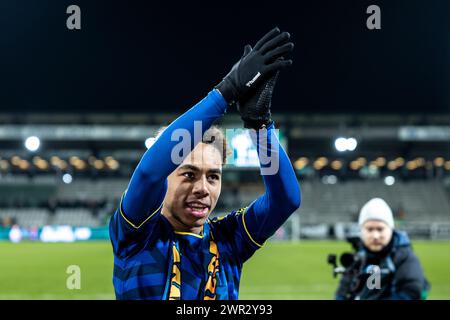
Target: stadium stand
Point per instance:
(419, 201)
(80, 175)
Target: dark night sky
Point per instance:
(161, 56)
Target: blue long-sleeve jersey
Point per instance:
(142, 237)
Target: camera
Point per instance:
(347, 259)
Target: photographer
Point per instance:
(384, 266)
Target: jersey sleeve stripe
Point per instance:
(248, 233)
(128, 221)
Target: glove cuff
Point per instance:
(228, 91)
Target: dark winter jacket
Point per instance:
(394, 273)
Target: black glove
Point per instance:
(255, 65)
(255, 109)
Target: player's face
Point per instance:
(194, 188)
(376, 235)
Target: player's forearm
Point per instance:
(282, 188)
(282, 195)
(147, 185)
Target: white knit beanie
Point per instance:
(376, 209)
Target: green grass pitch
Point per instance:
(281, 270)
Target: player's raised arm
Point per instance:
(147, 187)
(282, 195)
